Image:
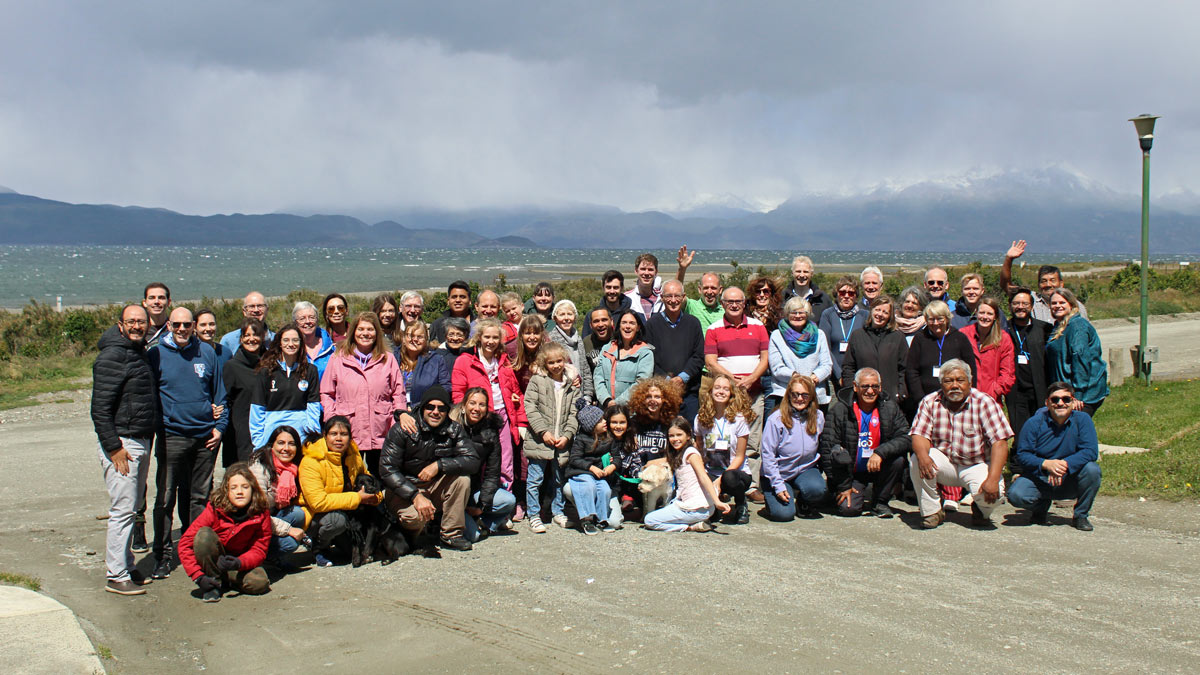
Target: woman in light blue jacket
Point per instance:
(797, 347)
(623, 362)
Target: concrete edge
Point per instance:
(39, 634)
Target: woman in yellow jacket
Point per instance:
(327, 474)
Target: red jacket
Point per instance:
(996, 371)
(247, 540)
(469, 372)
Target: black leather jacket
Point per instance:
(404, 455)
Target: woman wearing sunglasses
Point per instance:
(791, 475)
(840, 321)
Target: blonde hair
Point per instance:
(1073, 302)
(507, 297)
(482, 325)
(408, 362)
(995, 334)
(739, 404)
(548, 350)
(936, 308)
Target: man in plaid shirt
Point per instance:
(959, 437)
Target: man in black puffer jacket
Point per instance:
(124, 413)
(430, 470)
(866, 442)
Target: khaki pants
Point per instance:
(207, 547)
(448, 494)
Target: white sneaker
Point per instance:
(560, 520)
(950, 505)
(535, 524)
(967, 500)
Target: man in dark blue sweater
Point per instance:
(1056, 454)
(190, 391)
(678, 346)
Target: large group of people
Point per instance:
(675, 412)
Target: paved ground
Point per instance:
(830, 594)
(1175, 336)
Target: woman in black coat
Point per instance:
(932, 346)
(240, 383)
(490, 503)
(880, 346)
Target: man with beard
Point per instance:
(615, 302)
(959, 438)
(1049, 280)
(1029, 352)
(124, 413)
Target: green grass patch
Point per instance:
(1164, 417)
(22, 378)
(1168, 301)
(22, 580)
(104, 652)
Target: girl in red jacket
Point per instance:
(226, 546)
(995, 369)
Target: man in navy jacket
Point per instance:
(190, 390)
(1056, 454)
(678, 346)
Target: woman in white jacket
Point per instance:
(797, 347)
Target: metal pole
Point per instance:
(1143, 367)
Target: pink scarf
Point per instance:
(285, 482)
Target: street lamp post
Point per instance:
(1144, 124)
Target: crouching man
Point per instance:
(1056, 455)
(430, 471)
(959, 437)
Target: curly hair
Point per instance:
(739, 404)
(258, 498)
(671, 400)
(768, 315)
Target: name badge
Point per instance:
(937, 371)
(721, 444)
(1022, 360)
(864, 449)
(842, 347)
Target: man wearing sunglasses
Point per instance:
(1057, 453)
(866, 442)
(430, 471)
(937, 283)
(189, 385)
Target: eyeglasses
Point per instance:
(870, 387)
(799, 395)
(181, 324)
(763, 291)
(255, 306)
(335, 309)
(435, 407)
(135, 322)
(672, 296)
(734, 303)
(1061, 399)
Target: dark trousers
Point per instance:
(881, 483)
(326, 527)
(207, 547)
(1091, 408)
(735, 483)
(183, 480)
(690, 405)
(1021, 406)
(371, 459)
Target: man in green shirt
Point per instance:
(708, 308)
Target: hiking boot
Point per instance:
(211, 595)
(933, 520)
(138, 543)
(589, 528)
(124, 588)
(1082, 524)
(882, 510)
(741, 514)
(977, 517)
(457, 544)
(162, 569)
(1038, 517)
(756, 496)
(536, 525)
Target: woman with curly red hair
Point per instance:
(654, 402)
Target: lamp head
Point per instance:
(1144, 125)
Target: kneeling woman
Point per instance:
(275, 466)
(695, 495)
(225, 547)
(327, 474)
(790, 454)
(489, 502)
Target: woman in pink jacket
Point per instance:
(363, 382)
(484, 364)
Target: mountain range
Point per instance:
(1053, 209)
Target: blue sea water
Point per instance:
(84, 275)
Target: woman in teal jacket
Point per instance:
(623, 362)
(1073, 353)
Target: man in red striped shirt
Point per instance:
(959, 437)
(736, 346)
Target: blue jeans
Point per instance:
(671, 518)
(294, 515)
(809, 484)
(548, 471)
(1035, 494)
(591, 497)
(503, 504)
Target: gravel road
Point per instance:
(822, 595)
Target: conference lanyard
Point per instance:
(940, 341)
(842, 325)
(1020, 341)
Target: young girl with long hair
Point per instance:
(695, 495)
(722, 432)
(550, 408)
(226, 545)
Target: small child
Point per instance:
(586, 471)
(695, 495)
(510, 316)
(226, 546)
(550, 407)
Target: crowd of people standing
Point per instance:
(500, 412)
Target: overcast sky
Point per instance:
(223, 106)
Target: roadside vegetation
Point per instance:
(1165, 418)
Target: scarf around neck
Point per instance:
(846, 313)
(285, 482)
(801, 342)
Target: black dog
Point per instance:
(373, 534)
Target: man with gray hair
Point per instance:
(412, 307)
(870, 280)
(254, 306)
(865, 441)
(959, 438)
(802, 287)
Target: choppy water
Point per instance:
(103, 274)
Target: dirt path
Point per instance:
(855, 595)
